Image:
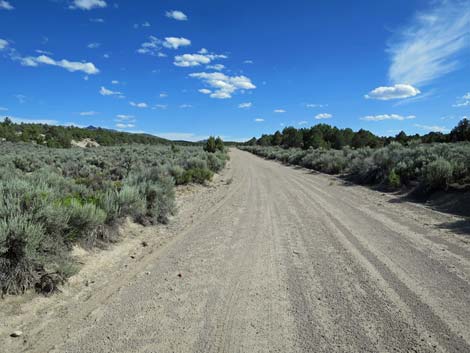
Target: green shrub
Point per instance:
(394, 179)
(20, 253)
(437, 175)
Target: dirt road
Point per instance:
(281, 260)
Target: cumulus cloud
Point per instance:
(88, 4)
(125, 125)
(205, 91)
(122, 117)
(139, 105)
(463, 101)
(279, 111)
(383, 117)
(5, 5)
(259, 120)
(311, 105)
(3, 44)
(432, 128)
(175, 42)
(89, 113)
(72, 66)
(429, 47)
(151, 47)
(191, 60)
(398, 91)
(176, 15)
(245, 105)
(217, 67)
(224, 86)
(323, 116)
(107, 92)
(94, 45)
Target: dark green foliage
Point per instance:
(326, 136)
(214, 144)
(433, 166)
(61, 136)
(53, 199)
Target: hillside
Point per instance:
(62, 136)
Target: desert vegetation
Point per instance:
(427, 163)
(54, 198)
(62, 136)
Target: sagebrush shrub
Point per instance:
(70, 195)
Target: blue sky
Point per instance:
(189, 69)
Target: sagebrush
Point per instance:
(53, 199)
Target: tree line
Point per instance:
(62, 136)
(330, 137)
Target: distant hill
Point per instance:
(62, 136)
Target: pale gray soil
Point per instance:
(278, 260)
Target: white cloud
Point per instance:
(399, 91)
(97, 20)
(5, 5)
(163, 95)
(125, 117)
(185, 106)
(279, 111)
(303, 122)
(175, 42)
(72, 66)
(89, 113)
(176, 15)
(115, 82)
(107, 92)
(3, 44)
(217, 67)
(224, 86)
(428, 48)
(139, 105)
(323, 116)
(21, 98)
(464, 101)
(18, 120)
(152, 47)
(88, 4)
(94, 45)
(125, 125)
(205, 91)
(246, 105)
(191, 60)
(383, 117)
(432, 128)
(259, 120)
(462, 104)
(248, 62)
(311, 105)
(160, 106)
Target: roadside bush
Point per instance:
(432, 166)
(437, 175)
(53, 199)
